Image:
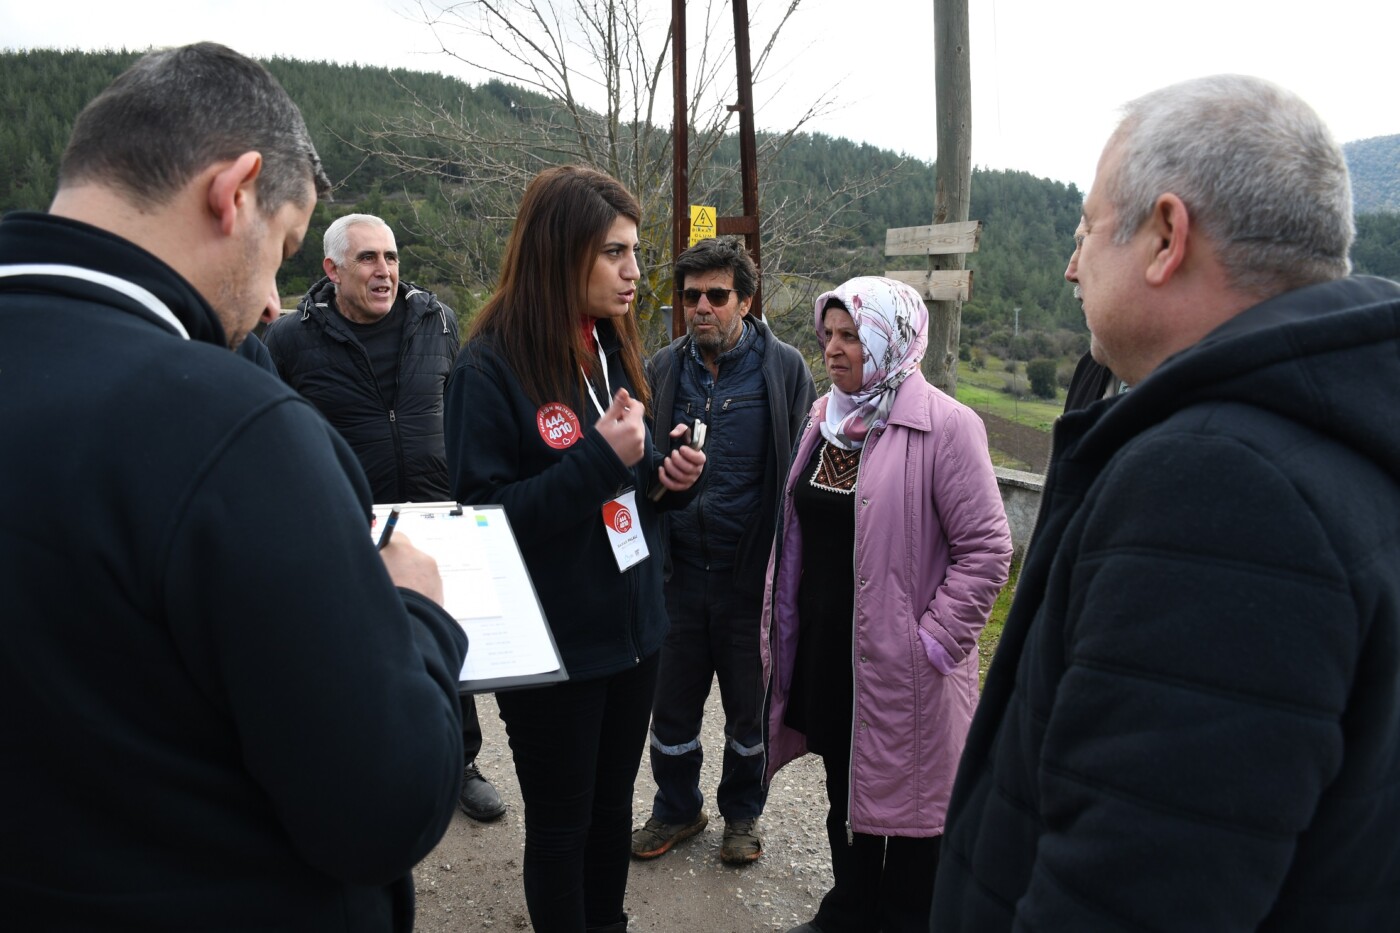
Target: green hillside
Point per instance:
(451, 227)
(1375, 174)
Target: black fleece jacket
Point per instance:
(1192, 721)
(223, 715)
(499, 451)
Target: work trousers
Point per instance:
(577, 746)
(883, 884)
(713, 632)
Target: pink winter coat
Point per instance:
(932, 551)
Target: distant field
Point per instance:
(984, 391)
(1018, 430)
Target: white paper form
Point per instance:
(487, 589)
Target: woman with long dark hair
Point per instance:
(545, 416)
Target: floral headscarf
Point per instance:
(893, 323)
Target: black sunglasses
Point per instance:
(718, 297)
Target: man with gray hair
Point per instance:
(373, 354)
(198, 634)
(1193, 719)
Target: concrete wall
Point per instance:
(1020, 493)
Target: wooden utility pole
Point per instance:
(952, 75)
(946, 283)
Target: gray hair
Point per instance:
(176, 112)
(724, 252)
(1257, 169)
(337, 241)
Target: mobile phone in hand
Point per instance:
(696, 436)
(692, 437)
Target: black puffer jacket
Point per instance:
(772, 397)
(400, 447)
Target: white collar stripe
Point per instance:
(130, 289)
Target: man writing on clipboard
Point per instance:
(230, 712)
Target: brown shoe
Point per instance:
(656, 838)
(741, 844)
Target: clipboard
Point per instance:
(487, 589)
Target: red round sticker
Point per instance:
(618, 516)
(558, 425)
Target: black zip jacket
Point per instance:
(400, 445)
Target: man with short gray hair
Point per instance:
(1192, 721)
(373, 354)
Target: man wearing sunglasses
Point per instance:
(747, 393)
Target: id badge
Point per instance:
(629, 545)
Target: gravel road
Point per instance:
(471, 881)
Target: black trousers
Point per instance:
(883, 884)
(577, 747)
(471, 728)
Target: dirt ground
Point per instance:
(471, 882)
(1028, 445)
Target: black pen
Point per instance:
(389, 524)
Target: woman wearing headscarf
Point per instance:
(545, 416)
(891, 548)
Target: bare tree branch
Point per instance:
(592, 73)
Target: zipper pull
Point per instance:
(392, 417)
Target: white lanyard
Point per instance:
(121, 286)
(607, 385)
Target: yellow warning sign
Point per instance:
(702, 223)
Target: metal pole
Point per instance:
(680, 151)
(748, 147)
(1015, 386)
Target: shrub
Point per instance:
(1041, 373)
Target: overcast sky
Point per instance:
(1047, 78)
